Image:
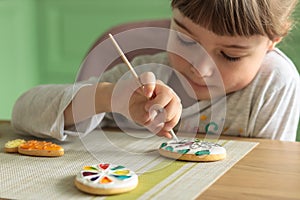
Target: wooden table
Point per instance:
(270, 171)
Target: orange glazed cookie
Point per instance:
(40, 148)
(193, 150)
(106, 179)
(12, 146)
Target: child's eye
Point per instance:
(185, 40)
(232, 59)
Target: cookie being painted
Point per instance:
(106, 179)
(192, 150)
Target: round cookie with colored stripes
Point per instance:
(193, 150)
(106, 179)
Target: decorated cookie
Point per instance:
(192, 150)
(12, 146)
(106, 179)
(40, 148)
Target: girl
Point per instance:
(260, 84)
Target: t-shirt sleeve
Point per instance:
(40, 111)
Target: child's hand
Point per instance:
(155, 106)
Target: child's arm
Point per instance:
(89, 100)
(127, 98)
(39, 111)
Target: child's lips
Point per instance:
(201, 85)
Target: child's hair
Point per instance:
(240, 17)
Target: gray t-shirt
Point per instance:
(266, 108)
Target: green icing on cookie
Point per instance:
(203, 152)
(169, 148)
(118, 167)
(163, 145)
(183, 151)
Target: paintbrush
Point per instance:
(124, 58)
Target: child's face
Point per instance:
(238, 59)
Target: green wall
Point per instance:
(67, 28)
(18, 52)
(291, 44)
(44, 41)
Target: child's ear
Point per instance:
(274, 42)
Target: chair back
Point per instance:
(99, 57)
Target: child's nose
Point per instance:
(203, 67)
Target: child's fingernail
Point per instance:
(152, 114)
(149, 95)
(168, 135)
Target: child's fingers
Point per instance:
(156, 116)
(164, 107)
(172, 122)
(163, 97)
(160, 125)
(159, 101)
(167, 126)
(148, 81)
(163, 133)
(170, 114)
(173, 111)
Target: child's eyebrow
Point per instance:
(182, 26)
